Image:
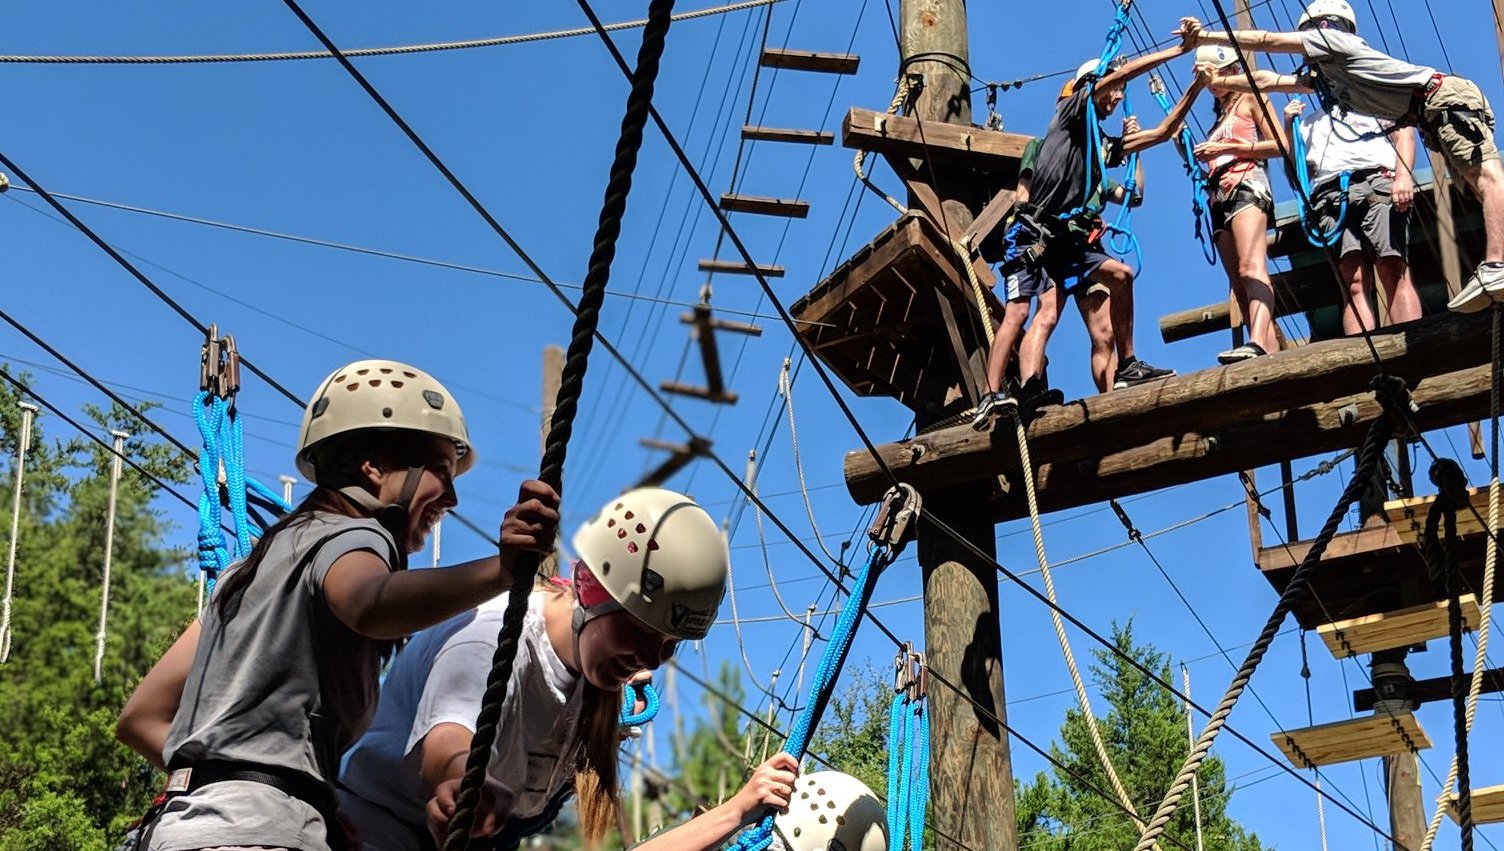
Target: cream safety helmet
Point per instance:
(656, 554)
(380, 395)
(1218, 56)
(1318, 9)
(832, 811)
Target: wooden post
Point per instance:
(972, 791)
(1407, 806)
(553, 371)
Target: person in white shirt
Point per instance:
(1377, 158)
(1453, 115)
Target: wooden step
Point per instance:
(1488, 805)
(1390, 630)
(765, 206)
(721, 324)
(1409, 515)
(805, 60)
(737, 267)
(724, 397)
(1345, 741)
(780, 134)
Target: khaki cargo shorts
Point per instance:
(1457, 122)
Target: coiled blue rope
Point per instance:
(1314, 234)
(629, 694)
(1098, 189)
(760, 836)
(223, 435)
(908, 772)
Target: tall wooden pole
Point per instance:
(971, 795)
(1407, 805)
(553, 371)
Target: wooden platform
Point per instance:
(764, 206)
(1345, 741)
(779, 134)
(1409, 515)
(1488, 805)
(805, 60)
(1391, 630)
(992, 152)
(737, 267)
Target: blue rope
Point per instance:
(1097, 189)
(223, 435)
(1199, 205)
(629, 695)
(897, 736)
(908, 772)
(1314, 234)
(759, 837)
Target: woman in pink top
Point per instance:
(1242, 202)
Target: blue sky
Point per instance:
(298, 148)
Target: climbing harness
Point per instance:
(109, 553)
(1312, 229)
(895, 523)
(908, 752)
(23, 443)
(1200, 207)
(630, 694)
(571, 387)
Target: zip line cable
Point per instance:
(398, 50)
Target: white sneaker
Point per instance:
(1484, 288)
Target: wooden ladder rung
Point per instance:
(724, 325)
(805, 60)
(1390, 630)
(1344, 741)
(1488, 805)
(736, 267)
(780, 134)
(1409, 515)
(765, 206)
(725, 397)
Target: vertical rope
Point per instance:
(571, 387)
(109, 554)
(1190, 736)
(1373, 447)
(1305, 674)
(23, 443)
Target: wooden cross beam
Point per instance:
(1432, 690)
(680, 456)
(705, 326)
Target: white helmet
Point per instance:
(1218, 56)
(1087, 67)
(1318, 9)
(384, 395)
(832, 811)
(656, 554)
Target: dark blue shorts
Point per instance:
(1068, 261)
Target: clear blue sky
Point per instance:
(296, 147)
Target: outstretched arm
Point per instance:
(1149, 61)
(1269, 82)
(1148, 138)
(1260, 40)
(772, 785)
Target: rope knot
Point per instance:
(1393, 394)
(1451, 484)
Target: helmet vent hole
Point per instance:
(841, 821)
(632, 547)
(618, 506)
(824, 820)
(629, 515)
(652, 546)
(621, 533)
(320, 406)
(386, 370)
(610, 523)
(375, 382)
(361, 371)
(338, 379)
(803, 795)
(353, 386)
(797, 831)
(605, 568)
(641, 528)
(434, 400)
(409, 374)
(398, 384)
(830, 804)
(386, 412)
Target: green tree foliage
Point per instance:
(854, 732)
(65, 783)
(1145, 734)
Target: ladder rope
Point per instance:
(786, 390)
(23, 443)
(1451, 485)
(1391, 394)
(900, 96)
(571, 387)
(109, 554)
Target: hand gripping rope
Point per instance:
(908, 753)
(1312, 229)
(650, 703)
(1095, 190)
(1118, 236)
(893, 526)
(1395, 399)
(1193, 169)
(571, 386)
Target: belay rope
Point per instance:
(1118, 235)
(895, 521)
(1312, 229)
(571, 387)
(1200, 207)
(1095, 190)
(908, 753)
(650, 703)
(23, 443)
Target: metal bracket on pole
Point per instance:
(219, 365)
(897, 518)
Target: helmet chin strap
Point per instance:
(394, 516)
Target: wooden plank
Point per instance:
(902, 136)
(806, 60)
(1345, 741)
(1392, 630)
(1488, 805)
(765, 206)
(782, 134)
(724, 397)
(747, 328)
(1409, 515)
(737, 267)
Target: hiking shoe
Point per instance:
(1247, 351)
(1138, 372)
(992, 406)
(1484, 288)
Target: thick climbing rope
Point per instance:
(1190, 735)
(908, 764)
(630, 694)
(900, 98)
(224, 449)
(760, 836)
(1485, 597)
(109, 554)
(398, 50)
(23, 443)
(1312, 230)
(571, 387)
(1083, 700)
(1451, 495)
(1393, 396)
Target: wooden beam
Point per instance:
(780, 134)
(1487, 805)
(1433, 690)
(1345, 741)
(725, 325)
(806, 60)
(680, 455)
(1393, 630)
(1206, 423)
(737, 267)
(1409, 515)
(765, 206)
(902, 136)
(679, 388)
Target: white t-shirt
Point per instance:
(440, 678)
(1330, 149)
(1363, 79)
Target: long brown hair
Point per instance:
(595, 779)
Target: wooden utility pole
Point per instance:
(972, 787)
(1407, 805)
(553, 371)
